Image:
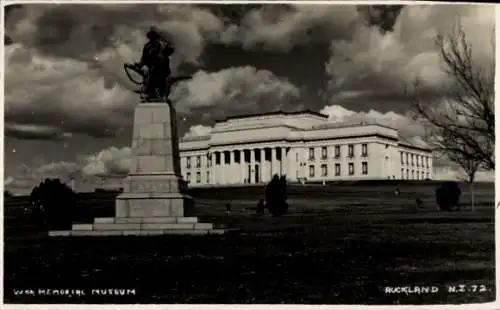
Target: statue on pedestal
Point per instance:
(154, 68)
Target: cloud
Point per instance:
(35, 132)
(25, 178)
(382, 64)
(114, 163)
(407, 127)
(82, 31)
(234, 91)
(53, 98)
(282, 27)
(197, 131)
(111, 161)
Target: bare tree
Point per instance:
(461, 126)
(470, 167)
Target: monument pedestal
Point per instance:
(152, 201)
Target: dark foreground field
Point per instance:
(326, 251)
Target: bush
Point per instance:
(448, 195)
(53, 204)
(276, 196)
(7, 195)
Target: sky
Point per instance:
(69, 105)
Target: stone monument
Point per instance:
(152, 202)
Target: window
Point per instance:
(413, 175)
(364, 150)
(427, 175)
(188, 177)
(407, 157)
(407, 174)
(188, 162)
(402, 158)
(417, 157)
(337, 151)
(311, 153)
(423, 177)
(208, 177)
(209, 160)
(337, 169)
(402, 174)
(198, 177)
(427, 162)
(198, 161)
(351, 168)
(324, 152)
(351, 150)
(217, 158)
(364, 168)
(311, 171)
(412, 162)
(324, 170)
(297, 157)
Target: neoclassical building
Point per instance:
(304, 146)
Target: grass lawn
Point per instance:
(323, 252)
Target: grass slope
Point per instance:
(333, 248)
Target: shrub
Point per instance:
(276, 196)
(53, 204)
(448, 195)
(7, 195)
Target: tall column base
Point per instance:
(152, 202)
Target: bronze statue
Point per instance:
(154, 68)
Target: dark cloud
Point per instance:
(10, 10)
(382, 16)
(34, 132)
(7, 40)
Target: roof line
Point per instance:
(279, 112)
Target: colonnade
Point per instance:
(255, 165)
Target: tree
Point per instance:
(462, 126)
(7, 194)
(53, 203)
(276, 196)
(470, 166)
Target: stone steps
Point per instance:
(140, 226)
(82, 233)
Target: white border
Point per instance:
(491, 305)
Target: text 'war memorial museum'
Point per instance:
(304, 146)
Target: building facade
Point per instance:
(303, 146)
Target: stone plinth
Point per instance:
(152, 201)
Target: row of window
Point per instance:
(337, 171)
(198, 177)
(414, 160)
(406, 174)
(324, 152)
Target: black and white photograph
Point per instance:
(262, 153)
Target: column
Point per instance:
(243, 166)
(252, 165)
(210, 168)
(231, 176)
(217, 168)
(283, 162)
(263, 169)
(225, 169)
(274, 161)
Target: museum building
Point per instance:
(304, 146)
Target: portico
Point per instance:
(246, 165)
